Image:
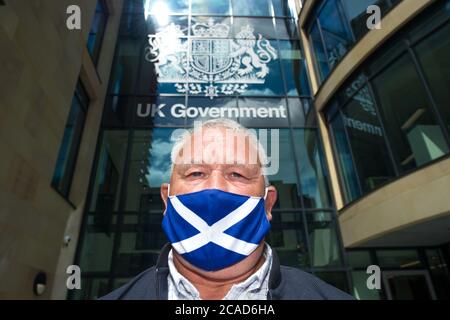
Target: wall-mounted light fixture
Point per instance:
(40, 284)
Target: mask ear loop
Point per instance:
(168, 190)
(265, 193)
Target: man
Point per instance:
(217, 211)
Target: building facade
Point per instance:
(356, 120)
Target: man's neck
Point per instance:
(215, 285)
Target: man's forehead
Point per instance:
(219, 146)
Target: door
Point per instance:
(408, 285)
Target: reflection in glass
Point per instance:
(402, 259)
(251, 8)
(323, 240)
(149, 167)
(313, 177)
(294, 68)
(125, 66)
(346, 166)
(258, 26)
(367, 141)
(360, 290)
(433, 54)
(409, 121)
(288, 238)
(335, 34)
(210, 7)
(108, 178)
(321, 58)
(285, 180)
(336, 279)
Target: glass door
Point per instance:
(408, 285)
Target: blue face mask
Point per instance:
(214, 229)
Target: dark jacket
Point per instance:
(285, 283)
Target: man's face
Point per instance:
(219, 162)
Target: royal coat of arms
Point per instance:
(209, 62)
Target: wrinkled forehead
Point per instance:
(219, 146)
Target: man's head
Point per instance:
(219, 154)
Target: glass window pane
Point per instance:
(296, 112)
(336, 279)
(288, 238)
(409, 122)
(313, 176)
(439, 273)
(125, 67)
(402, 259)
(258, 26)
(359, 259)
(210, 7)
(367, 141)
(68, 151)
(294, 68)
(251, 8)
(323, 240)
(91, 288)
(149, 167)
(360, 290)
(285, 178)
(336, 36)
(281, 8)
(97, 251)
(320, 55)
(109, 175)
(346, 166)
(357, 16)
(95, 38)
(287, 29)
(433, 55)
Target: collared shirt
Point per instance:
(254, 287)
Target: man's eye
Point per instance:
(237, 175)
(195, 174)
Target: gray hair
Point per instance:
(181, 139)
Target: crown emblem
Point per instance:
(210, 29)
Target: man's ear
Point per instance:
(164, 191)
(270, 201)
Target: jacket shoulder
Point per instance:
(141, 287)
(299, 285)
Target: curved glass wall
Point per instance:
(392, 116)
(335, 26)
(199, 60)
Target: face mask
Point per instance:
(214, 229)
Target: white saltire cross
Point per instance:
(214, 233)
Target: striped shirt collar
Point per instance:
(254, 287)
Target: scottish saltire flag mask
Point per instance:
(214, 229)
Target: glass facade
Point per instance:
(407, 273)
(177, 62)
(335, 26)
(391, 117)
